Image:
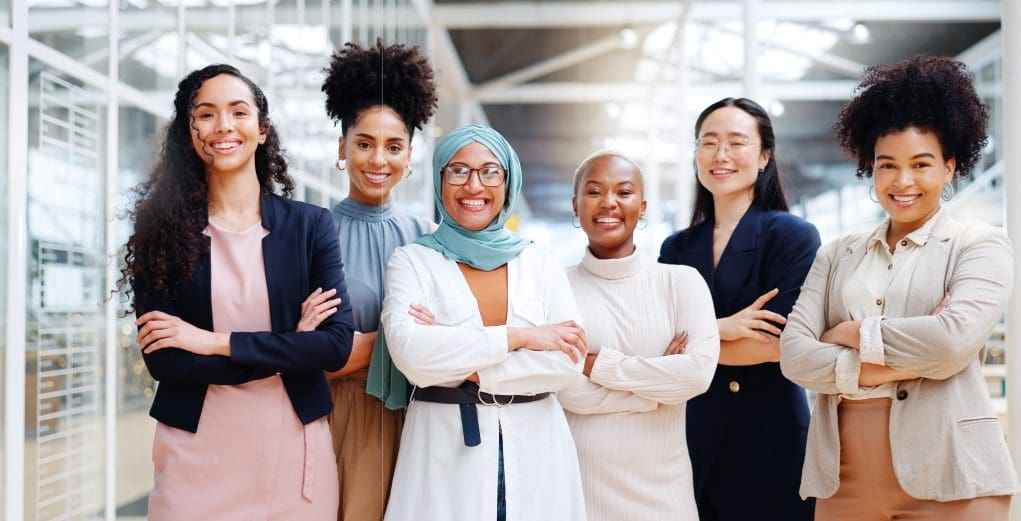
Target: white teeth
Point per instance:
(905, 198)
(474, 204)
(607, 220)
(225, 145)
(721, 172)
(376, 178)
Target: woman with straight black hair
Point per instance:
(747, 434)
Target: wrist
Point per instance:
(223, 343)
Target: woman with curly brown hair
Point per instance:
(380, 95)
(219, 266)
(890, 326)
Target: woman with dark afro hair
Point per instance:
(891, 325)
(381, 95)
(218, 266)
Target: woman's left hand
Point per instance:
(846, 334)
(160, 330)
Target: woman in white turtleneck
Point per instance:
(653, 345)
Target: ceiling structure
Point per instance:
(563, 78)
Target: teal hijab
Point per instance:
(494, 245)
(486, 249)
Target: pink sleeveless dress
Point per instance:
(251, 458)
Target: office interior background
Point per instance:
(86, 87)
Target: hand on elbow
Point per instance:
(566, 336)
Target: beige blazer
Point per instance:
(946, 439)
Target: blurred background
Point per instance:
(86, 87)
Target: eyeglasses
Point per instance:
(458, 175)
(707, 147)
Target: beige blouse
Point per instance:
(878, 290)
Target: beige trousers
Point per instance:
(366, 436)
(869, 490)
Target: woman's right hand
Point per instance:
(751, 321)
(566, 336)
(678, 345)
(316, 308)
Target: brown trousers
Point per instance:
(366, 436)
(869, 490)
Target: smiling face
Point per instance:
(609, 204)
(909, 172)
(729, 153)
(473, 205)
(377, 149)
(225, 130)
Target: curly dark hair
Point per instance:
(395, 76)
(931, 93)
(172, 206)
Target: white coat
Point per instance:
(437, 477)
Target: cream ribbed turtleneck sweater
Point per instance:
(628, 417)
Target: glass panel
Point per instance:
(64, 477)
(77, 29)
(3, 246)
(148, 46)
(139, 143)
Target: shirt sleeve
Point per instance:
(670, 379)
(325, 349)
(530, 372)
(448, 351)
(815, 365)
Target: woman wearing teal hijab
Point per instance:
(483, 324)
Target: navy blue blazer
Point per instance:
(300, 254)
(767, 250)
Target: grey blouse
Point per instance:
(368, 236)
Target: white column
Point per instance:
(111, 351)
(750, 80)
(17, 271)
(1011, 28)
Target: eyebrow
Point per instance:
(916, 156)
(729, 134)
(231, 104)
(369, 136)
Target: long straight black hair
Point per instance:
(768, 192)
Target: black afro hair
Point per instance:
(396, 76)
(931, 93)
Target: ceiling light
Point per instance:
(628, 38)
(859, 34)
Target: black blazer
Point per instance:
(768, 415)
(300, 254)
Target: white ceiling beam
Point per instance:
(523, 14)
(556, 63)
(829, 61)
(583, 92)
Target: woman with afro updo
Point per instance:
(891, 324)
(218, 265)
(380, 95)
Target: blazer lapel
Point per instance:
(932, 268)
(740, 255)
(282, 276)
